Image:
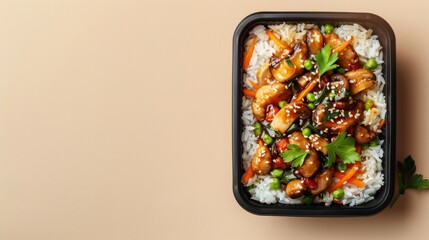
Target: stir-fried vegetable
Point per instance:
(257, 128)
(249, 54)
(329, 28)
(249, 93)
(311, 97)
(277, 173)
(344, 45)
(338, 193)
(275, 39)
(275, 184)
(371, 64)
(352, 180)
(308, 64)
(254, 84)
(349, 174)
(368, 104)
(248, 175)
(306, 132)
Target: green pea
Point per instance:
(338, 193)
(308, 64)
(365, 146)
(306, 132)
(374, 142)
(282, 104)
(267, 139)
(368, 104)
(331, 95)
(341, 166)
(277, 173)
(371, 64)
(308, 200)
(329, 28)
(311, 106)
(275, 184)
(341, 70)
(258, 128)
(311, 97)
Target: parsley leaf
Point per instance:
(408, 179)
(326, 60)
(295, 154)
(344, 148)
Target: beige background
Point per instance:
(115, 121)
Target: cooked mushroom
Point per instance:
(363, 135)
(340, 123)
(323, 181)
(269, 94)
(314, 41)
(263, 75)
(360, 80)
(295, 188)
(318, 143)
(339, 82)
(261, 162)
(311, 163)
(304, 80)
(348, 56)
(287, 69)
(287, 115)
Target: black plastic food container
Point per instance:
(387, 40)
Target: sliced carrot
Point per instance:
(360, 171)
(249, 54)
(254, 84)
(352, 180)
(343, 46)
(248, 175)
(381, 124)
(275, 39)
(349, 174)
(249, 93)
(308, 89)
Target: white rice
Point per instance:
(367, 46)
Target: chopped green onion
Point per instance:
(289, 62)
(341, 70)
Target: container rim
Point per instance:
(386, 34)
